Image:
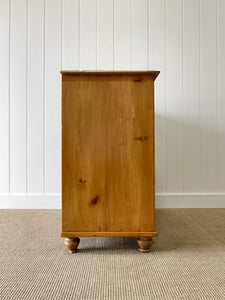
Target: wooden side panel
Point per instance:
(130, 154)
(83, 154)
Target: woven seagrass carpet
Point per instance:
(187, 259)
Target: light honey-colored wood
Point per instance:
(72, 244)
(83, 154)
(108, 153)
(144, 244)
(130, 155)
(108, 234)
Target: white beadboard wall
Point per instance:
(184, 39)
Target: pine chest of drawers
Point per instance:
(108, 156)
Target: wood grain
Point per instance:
(144, 244)
(108, 154)
(72, 244)
(154, 74)
(83, 155)
(130, 155)
(108, 234)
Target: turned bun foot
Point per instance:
(72, 244)
(144, 244)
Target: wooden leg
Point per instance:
(144, 244)
(72, 244)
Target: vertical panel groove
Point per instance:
(44, 121)
(221, 92)
(217, 99)
(123, 38)
(122, 34)
(166, 188)
(174, 96)
(61, 32)
(182, 90)
(78, 34)
(131, 53)
(148, 34)
(96, 28)
(88, 34)
(26, 86)
(10, 15)
(74, 34)
(139, 32)
(113, 35)
(18, 96)
(200, 92)
(60, 107)
(209, 91)
(34, 107)
(191, 111)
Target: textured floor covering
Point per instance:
(187, 259)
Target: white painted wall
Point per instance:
(184, 39)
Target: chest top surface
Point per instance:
(153, 74)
